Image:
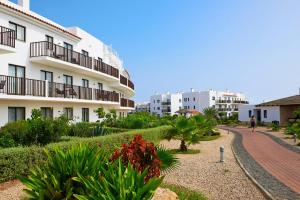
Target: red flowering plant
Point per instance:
(141, 155)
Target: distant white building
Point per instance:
(165, 104)
(142, 107)
(280, 110)
(224, 101)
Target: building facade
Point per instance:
(56, 69)
(225, 102)
(165, 104)
(142, 107)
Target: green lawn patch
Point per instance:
(209, 138)
(184, 193)
(189, 151)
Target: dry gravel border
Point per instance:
(204, 173)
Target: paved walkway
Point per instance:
(280, 162)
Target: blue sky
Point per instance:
(248, 46)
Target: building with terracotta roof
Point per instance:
(56, 69)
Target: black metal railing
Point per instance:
(21, 86)
(45, 48)
(105, 68)
(127, 103)
(7, 37)
(61, 90)
(104, 95)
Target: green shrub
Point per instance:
(293, 128)
(19, 160)
(81, 129)
(34, 131)
(118, 182)
(54, 179)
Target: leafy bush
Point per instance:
(293, 128)
(118, 182)
(37, 130)
(20, 160)
(141, 155)
(275, 126)
(54, 179)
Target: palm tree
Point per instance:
(210, 113)
(205, 125)
(184, 130)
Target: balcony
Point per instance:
(167, 103)
(22, 86)
(240, 102)
(57, 56)
(125, 86)
(127, 103)
(60, 90)
(27, 89)
(103, 95)
(105, 68)
(7, 40)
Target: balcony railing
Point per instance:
(61, 90)
(105, 68)
(21, 86)
(166, 103)
(45, 48)
(127, 103)
(103, 95)
(7, 36)
(123, 80)
(126, 82)
(241, 102)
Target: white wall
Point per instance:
(273, 113)
(244, 112)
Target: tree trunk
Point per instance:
(183, 146)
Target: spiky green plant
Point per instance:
(169, 161)
(118, 182)
(54, 179)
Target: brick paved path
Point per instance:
(280, 162)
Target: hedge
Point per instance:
(19, 160)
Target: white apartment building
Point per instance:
(142, 107)
(224, 101)
(59, 70)
(165, 104)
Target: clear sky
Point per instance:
(173, 45)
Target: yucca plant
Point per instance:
(54, 179)
(118, 182)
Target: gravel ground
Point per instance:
(268, 182)
(203, 172)
(12, 193)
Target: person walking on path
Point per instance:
(253, 123)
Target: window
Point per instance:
(85, 83)
(46, 76)
(185, 107)
(179, 100)
(68, 80)
(85, 114)
(188, 99)
(158, 101)
(20, 31)
(47, 112)
(188, 107)
(194, 107)
(16, 113)
(158, 108)
(213, 98)
(68, 46)
(49, 39)
(100, 86)
(265, 114)
(16, 71)
(85, 53)
(68, 112)
(50, 42)
(179, 107)
(249, 113)
(194, 99)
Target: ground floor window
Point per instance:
(68, 112)
(16, 113)
(265, 114)
(85, 115)
(47, 112)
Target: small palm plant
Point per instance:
(184, 130)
